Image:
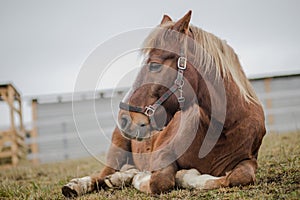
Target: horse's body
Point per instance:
(221, 112)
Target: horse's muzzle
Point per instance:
(132, 130)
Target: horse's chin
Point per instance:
(137, 134)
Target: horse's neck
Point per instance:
(220, 100)
(237, 107)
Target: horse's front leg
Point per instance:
(118, 155)
(156, 182)
(121, 178)
(163, 161)
(84, 185)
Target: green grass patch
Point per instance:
(278, 177)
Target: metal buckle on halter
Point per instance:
(180, 99)
(181, 63)
(149, 110)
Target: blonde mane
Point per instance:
(215, 55)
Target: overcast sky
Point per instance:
(43, 44)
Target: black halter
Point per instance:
(178, 85)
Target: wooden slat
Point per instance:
(5, 154)
(6, 166)
(34, 132)
(21, 143)
(267, 83)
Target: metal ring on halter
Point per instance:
(179, 82)
(181, 99)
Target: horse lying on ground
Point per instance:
(192, 119)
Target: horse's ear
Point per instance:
(182, 25)
(165, 19)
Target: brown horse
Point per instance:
(192, 119)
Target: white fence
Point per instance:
(281, 100)
(61, 137)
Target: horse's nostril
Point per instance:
(124, 122)
(142, 125)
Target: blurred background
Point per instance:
(44, 44)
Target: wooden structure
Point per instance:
(12, 144)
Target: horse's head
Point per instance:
(163, 85)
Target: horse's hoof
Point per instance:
(192, 178)
(141, 181)
(77, 187)
(121, 178)
(68, 191)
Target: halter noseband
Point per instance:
(178, 85)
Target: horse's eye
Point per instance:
(155, 67)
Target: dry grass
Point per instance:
(278, 177)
